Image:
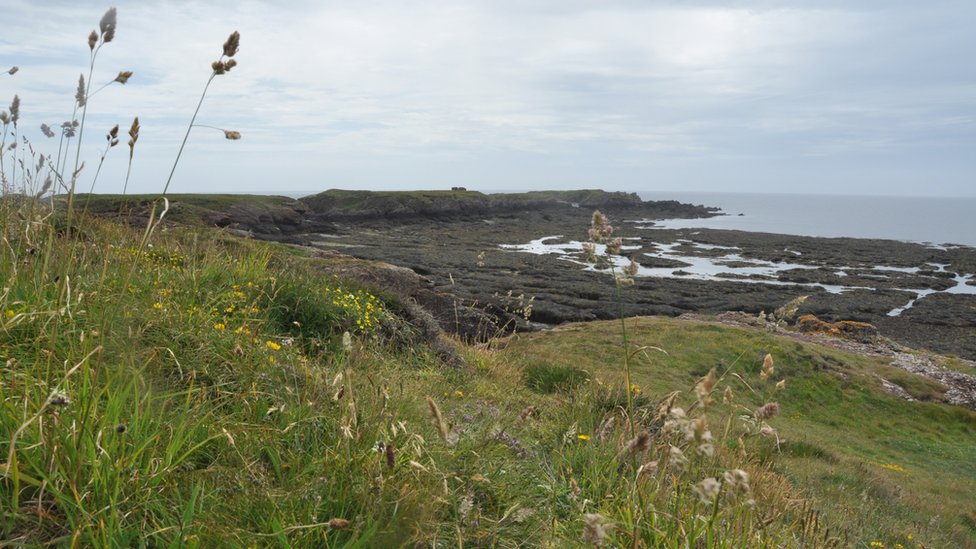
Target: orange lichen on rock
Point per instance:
(848, 329)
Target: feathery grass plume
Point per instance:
(780, 385)
(606, 428)
(595, 529)
(80, 95)
(219, 67)
(632, 268)
(338, 524)
(704, 387)
(47, 131)
(737, 481)
(15, 110)
(614, 245)
(46, 187)
(232, 135)
(728, 395)
(639, 444)
(107, 25)
(767, 410)
(232, 44)
(4, 118)
(13, 70)
(92, 40)
(437, 419)
(123, 77)
(677, 459)
(767, 367)
(708, 490)
(665, 407)
(113, 136)
(787, 311)
(133, 135)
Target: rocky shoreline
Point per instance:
(462, 255)
(486, 252)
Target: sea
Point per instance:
(931, 220)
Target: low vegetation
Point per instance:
(167, 386)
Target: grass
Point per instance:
(177, 387)
(879, 467)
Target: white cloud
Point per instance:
(384, 87)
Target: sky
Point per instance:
(874, 97)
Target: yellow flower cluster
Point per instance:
(893, 467)
(361, 307)
(159, 258)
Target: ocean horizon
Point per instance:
(933, 220)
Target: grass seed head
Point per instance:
(15, 110)
(92, 40)
(80, 92)
(13, 70)
(232, 44)
(767, 410)
(767, 367)
(595, 530)
(107, 26)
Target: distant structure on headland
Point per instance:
(459, 188)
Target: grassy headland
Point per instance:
(176, 386)
(200, 393)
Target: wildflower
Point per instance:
(459, 393)
(876, 544)
(583, 437)
(635, 389)
(157, 305)
(220, 326)
(272, 345)
(708, 490)
(10, 314)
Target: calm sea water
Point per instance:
(933, 220)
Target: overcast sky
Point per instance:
(865, 97)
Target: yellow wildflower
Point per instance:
(219, 326)
(272, 345)
(583, 437)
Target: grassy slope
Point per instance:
(210, 400)
(879, 466)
